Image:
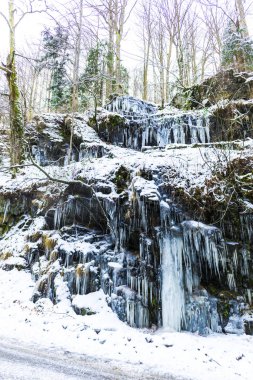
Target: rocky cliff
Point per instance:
(153, 209)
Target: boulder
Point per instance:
(224, 85)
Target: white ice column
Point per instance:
(173, 300)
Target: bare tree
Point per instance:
(242, 17)
(146, 27)
(114, 15)
(16, 118)
(226, 14)
(77, 52)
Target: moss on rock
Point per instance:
(121, 179)
(224, 85)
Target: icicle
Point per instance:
(139, 286)
(66, 159)
(247, 227)
(235, 258)
(245, 264)
(173, 300)
(231, 281)
(57, 217)
(188, 249)
(156, 129)
(249, 296)
(82, 277)
(130, 312)
(204, 241)
(6, 210)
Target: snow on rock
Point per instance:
(78, 259)
(130, 105)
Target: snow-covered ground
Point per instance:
(102, 335)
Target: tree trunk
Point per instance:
(145, 81)
(161, 70)
(154, 75)
(16, 120)
(110, 56)
(168, 64)
(119, 35)
(33, 93)
(77, 60)
(76, 77)
(145, 68)
(242, 18)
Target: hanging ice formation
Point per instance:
(190, 252)
(156, 265)
(146, 126)
(156, 271)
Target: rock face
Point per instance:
(225, 121)
(227, 98)
(137, 125)
(224, 85)
(140, 226)
(49, 137)
(231, 120)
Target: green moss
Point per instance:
(16, 119)
(6, 222)
(121, 179)
(224, 310)
(5, 255)
(86, 311)
(107, 123)
(154, 303)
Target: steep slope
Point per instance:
(162, 229)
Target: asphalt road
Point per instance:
(22, 362)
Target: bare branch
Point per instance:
(129, 13)
(5, 18)
(3, 68)
(29, 12)
(210, 4)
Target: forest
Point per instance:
(76, 62)
(88, 51)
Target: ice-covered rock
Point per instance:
(134, 222)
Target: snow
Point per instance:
(115, 265)
(184, 166)
(70, 247)
(248, 205)
(14, 261)
(249, 79)
(146, 188)
(104, 336)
